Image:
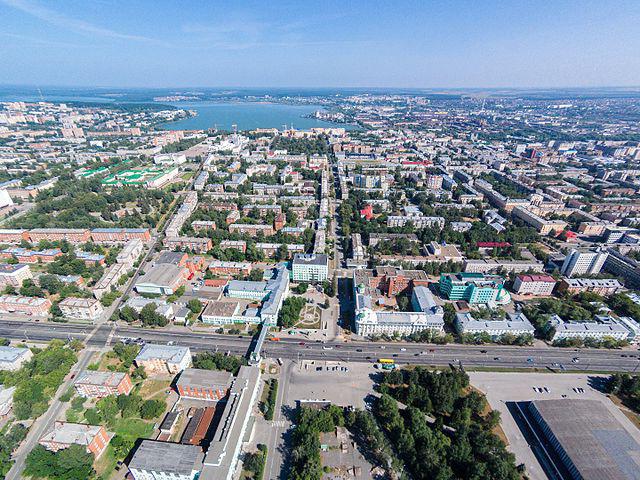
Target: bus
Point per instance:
(387, 363)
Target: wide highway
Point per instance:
(487, 356)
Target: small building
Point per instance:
(93, 384)
(204, 384)
(94, 437)
(163, 358)
(534, 284)
(155, 460)
(599, 328)
(310, 267)
(12, 358)
(81, 308)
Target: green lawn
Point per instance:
(132, 428)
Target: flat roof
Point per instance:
(111, 379)
(11, 354)
(594, 440)
(216, 379)
(167, 457)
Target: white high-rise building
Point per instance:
(583, 262)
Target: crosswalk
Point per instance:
(279, 423)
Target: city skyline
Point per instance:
(407, 45)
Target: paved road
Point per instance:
(44, 422)
(469, 355)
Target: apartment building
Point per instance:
(12, 358)
(515, 324)
(72, 235)
(13, 235)
(120, 235)
(195, 244)
(218, 267)
(130, 252)
(542, 225)
(163, 358)
(93, 437)
(600, 327)
(94, 384)
(310, 267)
(584, 262)
(601, 286)
(25, 305)
(14, 274)
(251, 229)
(534, 284)
(81, 308)
(109, 279)
(24, 255)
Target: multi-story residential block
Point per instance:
(130, 253)
(542, 225)
(515, 324)
(154, 460)
(110, 278)
(195, 244)
(251, 229)
(119, 235)
(163, 358)
(25, 305)
(14, 274)
(13, 235)
(310, 267)
(81, 308)
(12, 358)
(599, 328)
(474, 288)
(601, 286)
(417, 220)
(94, 384)
(534, 284)
(204, 384)
(218, 267)
(93, 437)
(24, 255)
(584, 262)
(72, 235)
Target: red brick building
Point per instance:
(92, 384)
(94, 437)
(204, 384)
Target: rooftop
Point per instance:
(215, 379)
(170, 353)
(593, 439)
(169, 458)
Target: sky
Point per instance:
(327, 43)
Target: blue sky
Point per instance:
(455, 43)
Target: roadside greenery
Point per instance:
(255, 462)
(37, 381)
(627, 388)
(10, 438)
(73, 463)
(433, 399)
(290, 312)
(268, 406)
(218, 361)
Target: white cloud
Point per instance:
(79, 26)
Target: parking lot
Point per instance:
(341, 383)
(501, 388)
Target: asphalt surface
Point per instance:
(488, 356)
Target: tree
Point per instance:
(152, 409)
(195, 305)
(72, 463)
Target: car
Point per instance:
(403, 349)
(368, 358)
(483, 351)
(394, 355)
(496, 358)
(575, 360)
(529, 360)
(358, 349)
(301, 343)
(623, 356)
(170, 342)
(382, 347)
(327, 347)
(318, 369)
